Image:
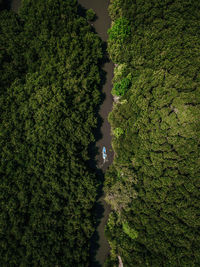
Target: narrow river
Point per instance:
(101, 26)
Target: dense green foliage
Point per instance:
(129, 231)
(120, 88)
(118, 132)
(90, 14)
(49, 82)
(120, 30)
(153, 184)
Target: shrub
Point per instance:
(120, 30)
(121, 87)
(132, 233)
(118, 132)
(90, 15)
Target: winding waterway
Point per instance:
(101, 26)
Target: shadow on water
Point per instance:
(98, 214)
(98, 209)
(93, 149)
(99, 248)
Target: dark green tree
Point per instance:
(153, 184)
(50, 90)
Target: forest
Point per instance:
(50, 81)
(154, 181)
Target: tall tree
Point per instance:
(50, 89)
(153, 184)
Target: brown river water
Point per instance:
(101, 25)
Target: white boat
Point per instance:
(104, 155)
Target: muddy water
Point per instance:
(101, 25)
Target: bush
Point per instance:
(129, 231)
(120, 30)
(118, 132)
(90, 15)
(49, 94)
(120, 88)
(160, 147)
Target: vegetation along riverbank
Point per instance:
(101, 26)
(153, 183)
(51, 100)
(50, 90)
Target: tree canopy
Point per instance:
(50, 89)
(153, 183)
